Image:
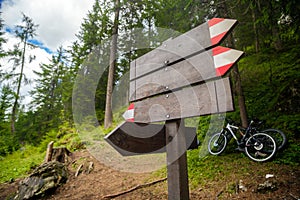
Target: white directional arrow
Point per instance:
(129, 113)
(224, 59)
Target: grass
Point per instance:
(19, 163)
(200, 168)
(226, 168)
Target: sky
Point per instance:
(58, 21)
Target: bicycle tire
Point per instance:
(260, 147)
(279, 137)
(217, 143)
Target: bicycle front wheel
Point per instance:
(278, 136)
(260, 147)
(217, 144)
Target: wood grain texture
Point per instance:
(190, 71)
(178, 187)
(208, 98)
(172, 50)
(139, 138)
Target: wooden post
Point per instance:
(49, 151)
(178, 187)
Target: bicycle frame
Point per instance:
(228, 127)
(245, 134)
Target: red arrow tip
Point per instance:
(214, 21)
(222, 70)
(131, 106)
(218, 50)
(218, 28)
(129, 114)
(224, 58)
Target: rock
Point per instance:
(269, 176)
(242, 187)
(44, 178)
(267, 186)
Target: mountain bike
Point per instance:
(279, 137)
(258, 146)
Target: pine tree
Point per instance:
(2, 41)
(48, 92)
(23, 32)
(88, 54)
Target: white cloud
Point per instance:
(41, 57)
(58, 20)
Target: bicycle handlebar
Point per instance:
(254, 123)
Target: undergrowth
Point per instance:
(19, 163)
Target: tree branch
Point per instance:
(133, 189)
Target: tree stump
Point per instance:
(59, 154)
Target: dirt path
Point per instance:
(102, 181)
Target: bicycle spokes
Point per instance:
(217, 144)
(260, 147)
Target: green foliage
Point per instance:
(19, 163)
(272, 88)
(23, 32)
(8, 143)
(49, 92)
(64, 136)
(2, 41)
(290, 155)
(268, 32)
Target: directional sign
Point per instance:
(177, 80)
(207, 98)
(138, 138)
(204, 66)
(202, 37)
(182, 48)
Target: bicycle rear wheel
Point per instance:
(217, 143)
(278, 136)
(260, 147)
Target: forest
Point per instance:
(267, 78)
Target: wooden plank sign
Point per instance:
(177, 80)
(204, 66)
(197, 40)
(188, 54)
(207, 98)
(131, 139)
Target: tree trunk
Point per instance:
(108, 118)
(255, 30)
(277, 43)
(238, 88)
(241, 99)
(15, 106)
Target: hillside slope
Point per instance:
(104, 181)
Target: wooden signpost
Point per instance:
(131, 139)
(177, 80)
